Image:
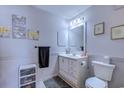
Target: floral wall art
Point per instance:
(33, 35)
(5, 31)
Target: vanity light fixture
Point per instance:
(76, 22)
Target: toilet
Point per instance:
(103, 74)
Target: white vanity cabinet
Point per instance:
(72, 70)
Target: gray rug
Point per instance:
(56, 82)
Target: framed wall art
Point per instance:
(19, 27)
(5, 32)
(61, 39)
(99, 29)
(33, 35)
(117, 32)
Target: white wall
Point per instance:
(50, 26)
(102, 44)
(16, 52)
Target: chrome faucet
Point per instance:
(68, 50)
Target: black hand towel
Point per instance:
(43, 57)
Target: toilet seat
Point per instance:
(95, 82)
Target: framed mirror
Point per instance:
(77, 38)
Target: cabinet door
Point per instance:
(70, 67)
(63, 64)
(74, 68)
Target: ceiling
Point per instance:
(65, 11)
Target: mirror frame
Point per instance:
(84, 38)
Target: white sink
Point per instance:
(72, 56)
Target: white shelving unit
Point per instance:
(27, 76)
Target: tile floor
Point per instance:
(56, 82)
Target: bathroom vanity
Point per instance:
(73, 69)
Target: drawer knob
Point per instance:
(81, 64)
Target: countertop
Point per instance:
(71, 56)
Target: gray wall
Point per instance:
(101, 45)
(16, 52)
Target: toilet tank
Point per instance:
(103, 70)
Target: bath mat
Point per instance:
(56, 82)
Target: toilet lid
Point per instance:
(95, 82)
